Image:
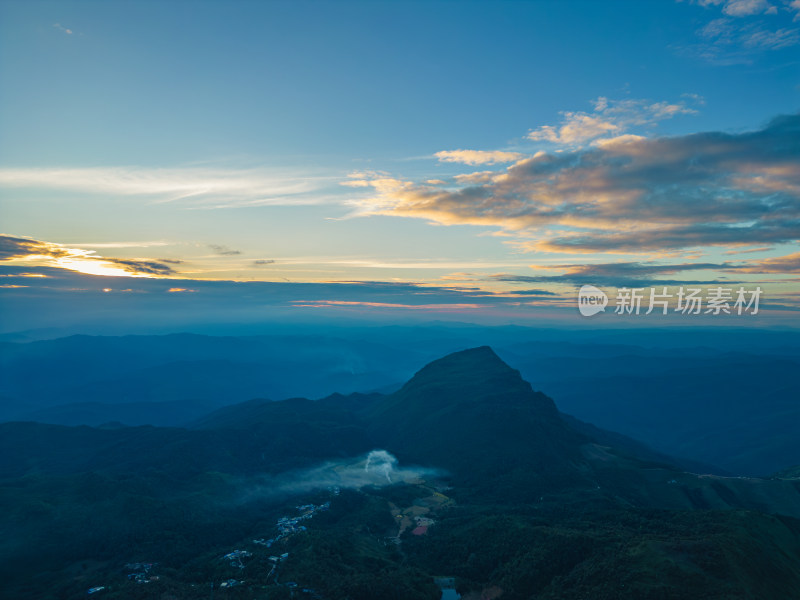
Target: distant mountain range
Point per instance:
(722, 398)
(472, 414)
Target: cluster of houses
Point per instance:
(288, 525)
(140, 572)
(236, 557)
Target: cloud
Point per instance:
(104, 245)
(355, 303)
(530, 292)
(223, 250)
(618, 274)
(18, 248)
(748, 250)
(264, 261)
(24, 274)
(794, 5)
(74, 302)
(67, 298)
(781, 264)
(268, 293)
(745, 30)
(477, 157)
(724, 35)
(630, 269)
(442, 296)
(743, 8)
(576, 128)
(611, 118)
(62, 28)
(636, 195)
(205, 187)
(619, 141)
(138, 266)
(628, 273)
(477, 177)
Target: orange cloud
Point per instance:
(30, 251)
(477, 157)
(626, 194)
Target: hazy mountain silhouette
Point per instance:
(474, 416)
(723, 397)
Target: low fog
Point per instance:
(377, 468)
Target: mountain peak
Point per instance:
(452, 406)
(467, 370)
(480, 353)
(476, 378)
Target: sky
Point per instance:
(464, 160)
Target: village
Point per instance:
(286, 527)
(290, 525)
(416, 518)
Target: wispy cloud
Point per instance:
(205, 187)
(794, 6)
(224, 250)
(628, 273)
(744, 30)
(107, 245)
(628, 195)
(477, 157)
(66, 298)
(780, 264)
(258, 294)
(354, 303)
(619, 274)
(60, 27)
(611, 118)
(732, 41)
(530, 292)
(741, 8)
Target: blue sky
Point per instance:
(474, 145)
